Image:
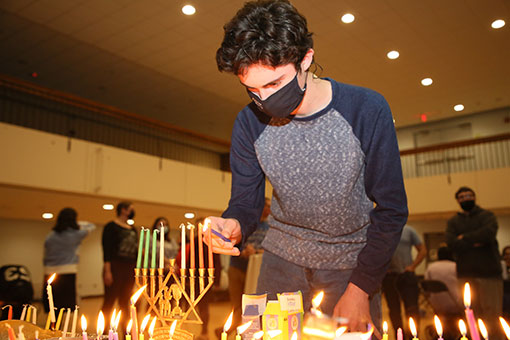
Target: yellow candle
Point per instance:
(29, 313)
(412, 326)
(59, 319)
(145, 321)
(241, 329)
(227, 325)
(463, 329)
(385, 330)
(151, 328)
(128, 330)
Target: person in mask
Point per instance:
(120, 245)
(330, 152)
(471, 235)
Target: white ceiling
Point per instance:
(148, 58)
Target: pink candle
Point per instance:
(400, 335)
(200, 247)
(84, 327)
(191, 246)
(470, 317)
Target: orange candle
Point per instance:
(207, 223)
(191, 246)
(200, 247)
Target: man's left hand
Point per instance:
(355, 307)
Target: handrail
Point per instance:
(466, 142)
(79, 102)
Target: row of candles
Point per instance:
(145, 242)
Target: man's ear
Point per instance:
(307, 60)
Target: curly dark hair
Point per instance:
(66, 220)
(270, 32)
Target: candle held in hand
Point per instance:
(470, 317)
(50, 297)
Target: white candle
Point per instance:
(75, 321)
(34, 316)
(183, 246)
(21, 335)
(22, 318)
(50, 297)
(66, 322)
(162, 247)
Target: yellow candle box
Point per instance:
(286, 315)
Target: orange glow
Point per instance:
(145, 321)
(412, 327)
(52, 277)
(439, 327)
(385, 327)
(241, 329)
(151, 327)
(129, 325)
(318, 299)
(227, 325)
(83, 323)
(137, 294)
(100, 323)
(467, 295)
(506, 328)
(462, 327)
(483, 329)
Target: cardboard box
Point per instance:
(286, 314)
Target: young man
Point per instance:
(330, 152)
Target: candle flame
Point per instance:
(385, 327)
(100, 323)
(506, 328)
(52, 277)
(483, 329)
(439, 327)
(467, 295)
(274, 332)
(341, 330)
(258, 335)
(172, 329)
(412, 327)
(151, 327)
(316, 301)
(207, 222)
(241, 329)
(129, 325)
(83, 323)
(191, 226)
(145, 321)
(368, 335)
(137, 294)
(117, 321)
(462, 327)
(294, 336)
(227, 325)
(316, 332)
(112, 319)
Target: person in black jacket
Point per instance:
(471, 235)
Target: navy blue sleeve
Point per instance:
(384, 185)
(248, 180)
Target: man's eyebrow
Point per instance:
(273, 81)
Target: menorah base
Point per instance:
(163, 333)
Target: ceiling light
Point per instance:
(130, 222)
(393, 54)
(47, 215)
(426, 81)
(458, 107)
(188, 10)
(189, 215)
(498, 23)
(347, 18)
(108, 206)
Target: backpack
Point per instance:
(16, 284)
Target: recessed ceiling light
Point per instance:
(188, 10)
(47, 215)
(347, 18)
(498, 24)
(458, 107)
(393, 54)
(426, 81)
(108, 206)
(189, 215)
(130, 222)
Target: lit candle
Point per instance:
(294, 336)
(34, 316)
(191, 228)
(134, 298)
(66, 322)
(207, 223)
(227, 325)
(412, 327)
(145, 321)
(151, 328)
(470, 317)
(463, 329)
(505, 326)
(339, 331)
(147, 245)
(183, 246)
(59, 319)
(172, 330)
(50, 298)
(400, 334)
(9, 313)
(84, 327)
(162, 247)
(483, 329)
(200, 247)
(23, 313)
(112, 322)
(10, 331)
(439, 327)
(316, 301)
(274, 333)
(128, 329)
(260, 334)
(154, 247)
(385, 330)
(116, 325)
(140, 248)
(75, 321)
(100, 325)
(241, 329)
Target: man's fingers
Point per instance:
(233, 252)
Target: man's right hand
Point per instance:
(231, 229)
(107, 278)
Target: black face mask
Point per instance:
(281, 103)
(131, 215)
(467, 205)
